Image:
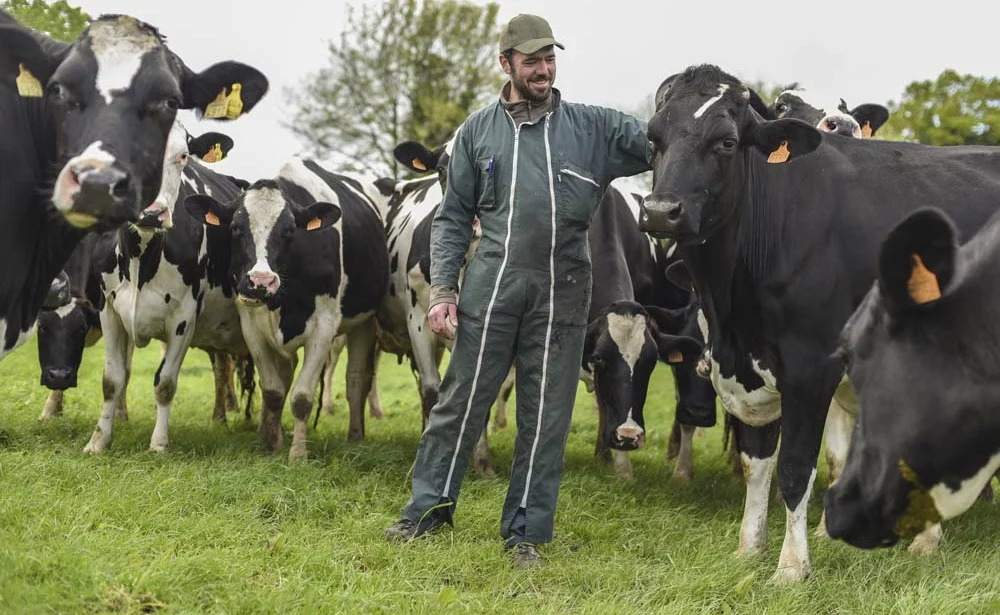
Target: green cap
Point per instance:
(527, 34)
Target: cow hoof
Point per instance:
(96, 446)
(121, 415)
(159, 447)
(500, 421)
(377, 414)
(297, 454)
(355, 436)
(820, 531)
(47, 416)
(683, 476)
(485, 469)
(926, 542)
(790, 575)
(219, 418)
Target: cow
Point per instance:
(309, 262)
(85, 125)
(165, 277)
(778, 225)
(920, 352)
(862, 121)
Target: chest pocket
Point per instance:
(488, 190)
(581, 192)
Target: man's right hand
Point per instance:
(443, 319)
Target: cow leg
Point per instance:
(222, 371)
(756, 447)
(482, 457)
(53, 406)
(500, 408)
(316, 352)
(121, 411)
(927, 541)
(116, 357)
(374, 400)
(805, 399)
(684, 470)
(674, 443)
(623, 465)
(360, 375)
(601, 450)
(839, 425)
(326, 399)
(275, 379)
(165, 382)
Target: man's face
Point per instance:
(532, 75)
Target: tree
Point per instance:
(58, 19)
(953, 109)
(402, 70)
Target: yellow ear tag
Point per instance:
(418, 165)
(923, 284)
(780, 155)
(866, 131)
(216, 108)
(234, 107)
(214, 154)
(675, 357)
(27, 85)
(211, 218)
(313, 224)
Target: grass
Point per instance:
(214, 526)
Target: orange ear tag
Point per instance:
(214, 154)
(417, 164)
(675, 357)
(923, 284)
(780, 155)
(27, 85)
(211, 218)
(866, 131)
(313, 224)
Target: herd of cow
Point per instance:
(811, 278)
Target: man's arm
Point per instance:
(451, 230)
(628, 146)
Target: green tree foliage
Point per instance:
(57, 19)
(953, 109)
(401, 70)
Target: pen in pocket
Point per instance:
(489, 167)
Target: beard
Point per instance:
(525, 90)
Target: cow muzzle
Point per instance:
(840, 124)
(58, 378)
(629, 436)
(659, 217)
(96, 194)
(849, 519)
(155, 217)
(259, 286)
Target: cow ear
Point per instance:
(785, 139)
(28, 58)
(590, 340)
(207, 210)
(317, 216)
(870, 117)
(210, 147)
(677, 274)
(676, 349)
(917, 260)
(665, 320)
(223, 91)
(92, 314)
(416, 157)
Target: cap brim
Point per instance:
(537, 43)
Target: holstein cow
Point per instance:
(781, 254)
(309, 263)
(166, 278)
(629, 331)
(921, 352)
(85, 125)
(862, 121)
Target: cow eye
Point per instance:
(780, 108)
(728, 144)
(172, 103)
(62, 96)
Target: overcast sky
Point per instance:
(617, 51)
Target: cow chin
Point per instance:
(848, 518)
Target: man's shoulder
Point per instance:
(480, 117)
(592, 111)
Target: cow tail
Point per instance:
(247, 383)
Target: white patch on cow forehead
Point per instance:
(711, 101)
(119, 46)
(951, 503)
(65, 310)
(628, 332)
(263, 207)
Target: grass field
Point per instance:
(214, 526)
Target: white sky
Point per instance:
(617, 51)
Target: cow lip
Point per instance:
(248, 301)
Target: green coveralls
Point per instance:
(525, 295)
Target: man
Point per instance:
(533, 168)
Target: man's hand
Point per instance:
(443, 319)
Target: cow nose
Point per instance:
(840, 125)
(659, 217)
(57, 378)
(267, 281)
(108, 179)
(104, 192)
(631, 432)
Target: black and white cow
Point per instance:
(309, 262)
(167, 278)
(921, 352)
(84, 126)
(781, 254)
(862, 121)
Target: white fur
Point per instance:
(793, 563)
(711, 101)
(629, 334)
(753, 529)
(66, 186)
(951, 503)
(264, 207)
(118, 47)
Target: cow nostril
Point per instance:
(120, 188)
(674, 214)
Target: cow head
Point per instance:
(622, 346)
(707, 143)
(921, 355)
(209, 147)
(113, 96)
(63, 332)
(263, 222)
(861, 122)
